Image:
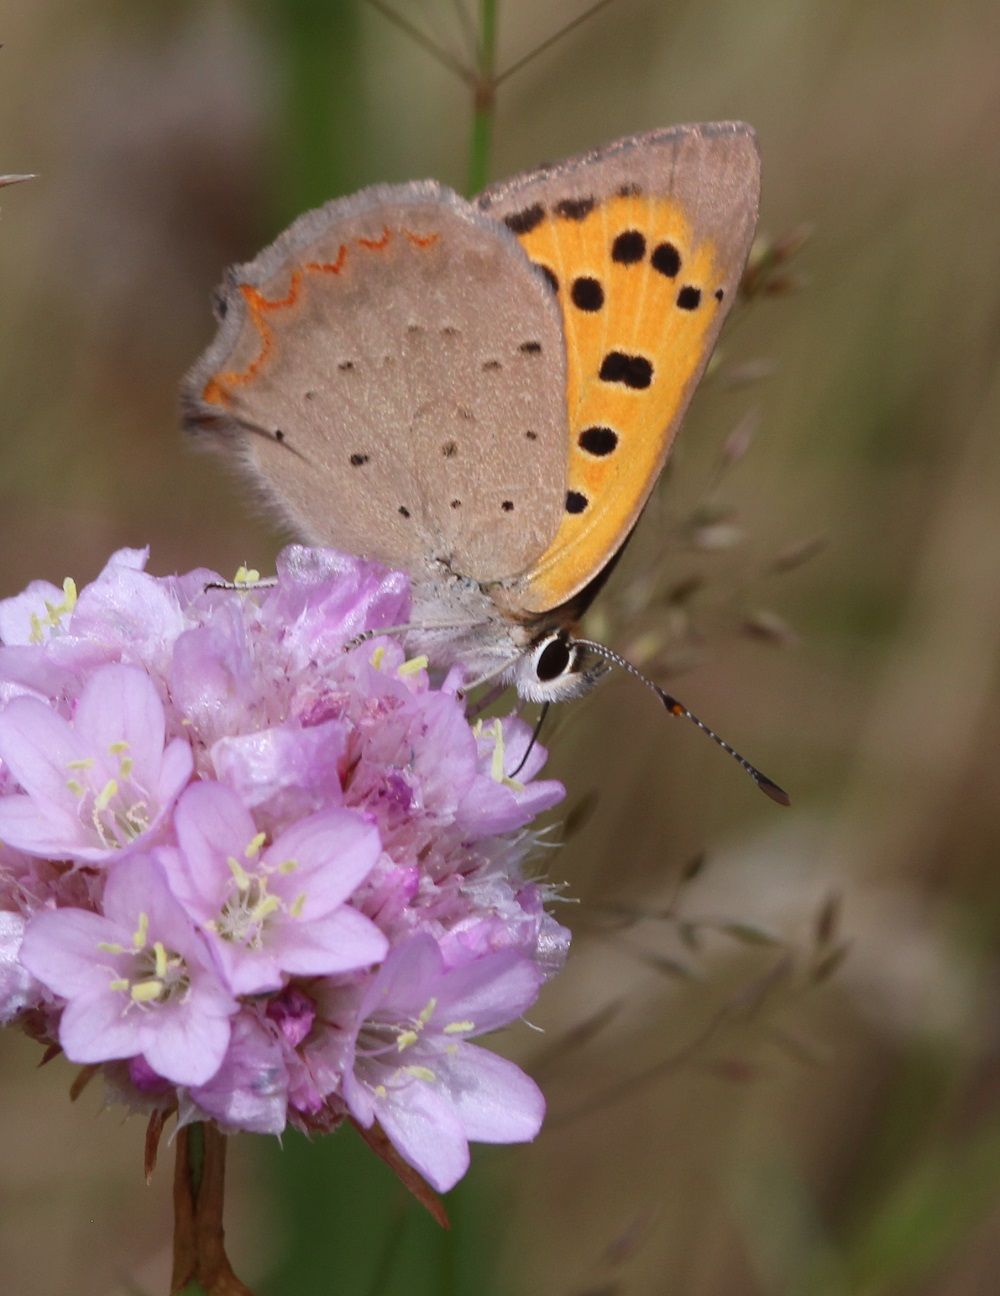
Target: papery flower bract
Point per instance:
(250, 1089)
(97, 785)
(18, 988)
(268, 911)
(409, 1067)
(136, 980)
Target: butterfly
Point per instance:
(482, 393)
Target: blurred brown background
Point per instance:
(735, 1107)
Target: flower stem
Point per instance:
(485, 98)
(201, 1267)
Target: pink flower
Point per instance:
(409, 1067)
(137, 979)
(98, 785)
(271, 911)
(258, 876)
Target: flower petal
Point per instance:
(340, 942)
(39, 746)
(62, 949)
(335, 851)
(426, 1130)
(120, 704)
(496, 1101)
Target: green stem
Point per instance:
(484, 101)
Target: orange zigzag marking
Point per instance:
(376, 245)
(330, 267)
(259, 306)
(421, 240)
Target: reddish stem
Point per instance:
(201, 1267)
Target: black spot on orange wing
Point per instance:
(598, 441)
(719, 294)
(523, 222)
(587, 294)
(689, 298)
(666, 259)
(631, 370)
(629, 247)
(576, 501)
(574, 208)
(549, 274)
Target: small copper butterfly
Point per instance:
(483, 393)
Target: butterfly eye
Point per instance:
(553, 658)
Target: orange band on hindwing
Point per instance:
(217, 391)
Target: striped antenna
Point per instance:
(766, 785)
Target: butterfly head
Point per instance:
(556, 668)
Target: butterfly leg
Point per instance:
(374, 633)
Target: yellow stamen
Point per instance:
(459, 1027)
(69, 593)
(110, 947)
(266, 907)
(87, 762)
(288, 866)
(420, 1073)
(37, 629)
(76, 787)
(427, 1012)
(496, 765)
(116, 748)
(254, 847)
(246, 576)
(405, 1039)
(378, 656)
(413, 666)
(161, 959)
(380, 1091)
(146, 991)
(103, 798)
(298, 904)
(125, 766)
(240, 876)
(120, 983)
(141, 933)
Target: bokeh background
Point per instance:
(772, 1061)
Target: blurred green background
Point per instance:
(735, 1105)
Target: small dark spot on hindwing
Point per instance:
(530, 348)
(689, 298)
(358, 459)
(576, 501)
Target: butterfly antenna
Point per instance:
(766, 785)
(534, 738)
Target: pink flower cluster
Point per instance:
(251, 873)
